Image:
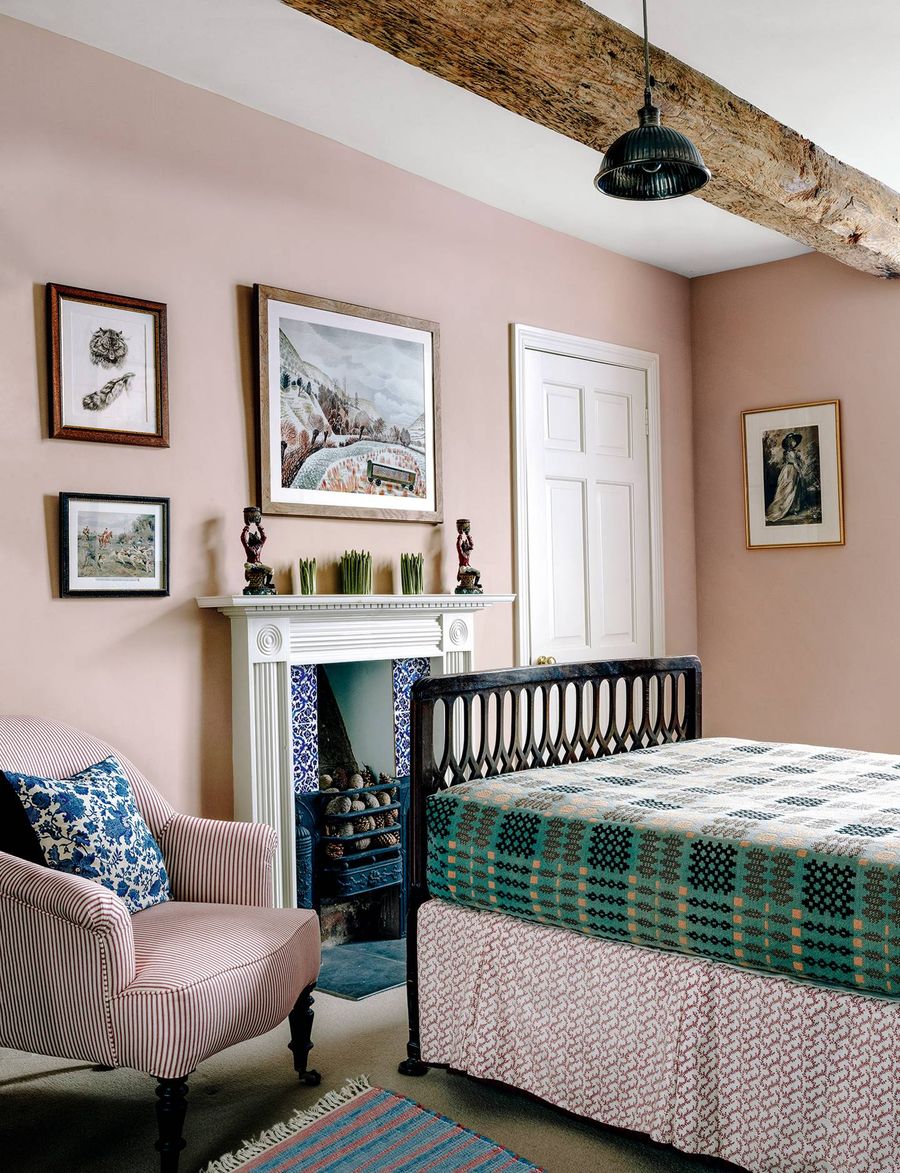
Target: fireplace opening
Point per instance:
(352, 805)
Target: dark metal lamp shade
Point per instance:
(651, 162)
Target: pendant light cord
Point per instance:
(648, 81)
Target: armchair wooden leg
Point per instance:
(171, 1106)
(301, 1021)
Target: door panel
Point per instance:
(615, 545)
(566, 545)
(612, 424)
(563, 418)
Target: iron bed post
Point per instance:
(421, 736)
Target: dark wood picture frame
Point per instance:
(264, 294)
(59, 428)
(66, 589)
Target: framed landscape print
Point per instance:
(113, 546)
(792, 475)
(349, 410)
(107, 368)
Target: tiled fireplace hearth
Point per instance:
(378, 645)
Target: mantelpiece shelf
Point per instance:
(345, 604)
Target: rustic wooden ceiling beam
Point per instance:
(564, 65)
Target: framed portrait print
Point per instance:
(349, 406)
(113, 546)
(107, 368)
(793, 494)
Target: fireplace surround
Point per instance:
(276, 643)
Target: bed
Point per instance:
(695, 939)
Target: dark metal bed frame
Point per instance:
(482, 724)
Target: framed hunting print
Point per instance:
(113, 546)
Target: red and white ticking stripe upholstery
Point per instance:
(217, 862)
(207, 859)
(209, 976)
(49, 749)
(80, 978)
(66, 949)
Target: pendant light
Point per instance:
(651, 162)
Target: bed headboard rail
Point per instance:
(482, 724)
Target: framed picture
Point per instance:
(113, 546)
(792, 475)
(349, 410)
(107, 368)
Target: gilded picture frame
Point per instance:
(793, 481)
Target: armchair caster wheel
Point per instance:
(310, 1078)
(413, 1067)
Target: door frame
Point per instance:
(522, 339)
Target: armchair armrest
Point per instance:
(68, 948)
(216, 862)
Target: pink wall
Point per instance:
(119, 179)
(798, 645)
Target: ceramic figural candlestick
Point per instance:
(253, 538)
(467, 577)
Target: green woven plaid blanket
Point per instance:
(782, 858)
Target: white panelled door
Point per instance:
(585, 490)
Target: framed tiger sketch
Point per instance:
(793, 493)
(108, 377)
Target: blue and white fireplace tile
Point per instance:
(405, 674)
(304, 726)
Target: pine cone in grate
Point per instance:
(339, 806)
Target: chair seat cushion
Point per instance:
(209, 976)
(89, 825)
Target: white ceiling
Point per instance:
(817, 65)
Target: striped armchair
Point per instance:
(161, 990)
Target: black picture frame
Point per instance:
(119, 548)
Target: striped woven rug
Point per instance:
(363, 1129)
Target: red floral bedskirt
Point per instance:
(763, 1071)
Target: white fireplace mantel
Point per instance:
(270, 633)
(327, 629)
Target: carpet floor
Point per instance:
(60, 1116)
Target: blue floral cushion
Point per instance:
(89, 825)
